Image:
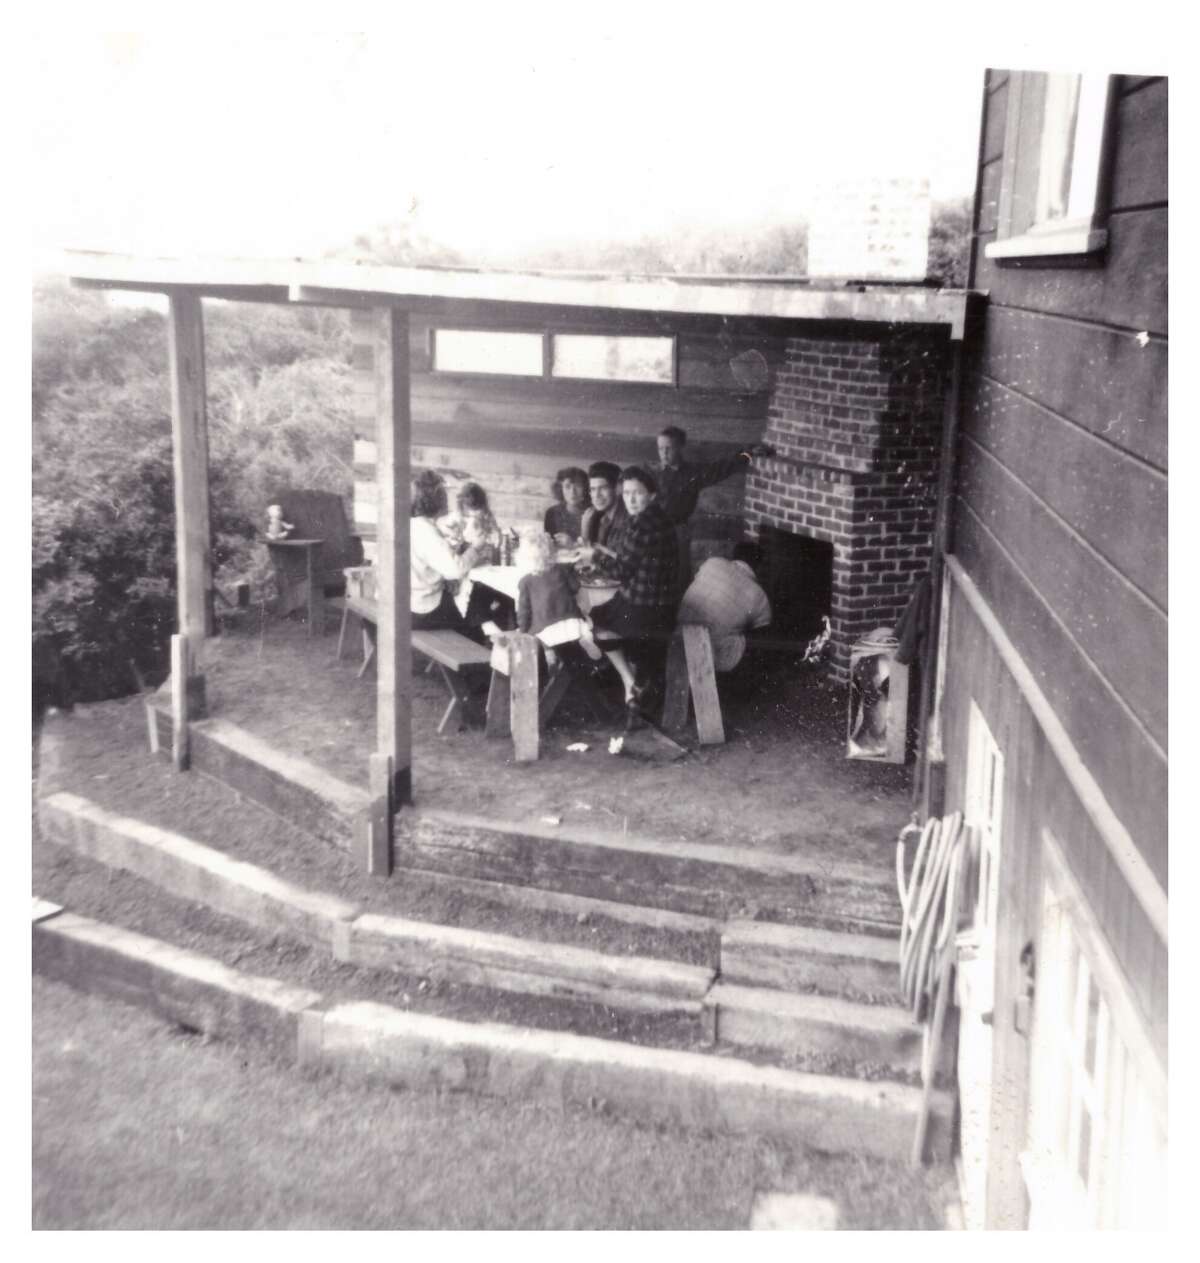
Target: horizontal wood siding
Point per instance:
(1140, 166)
(1061, 516)
(1094, 604)
(1115, 502)
(513, 434)
(1105, 380)
(1128, 289)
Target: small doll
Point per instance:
(277, 528)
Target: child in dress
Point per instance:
(546, 605)
(472, 524)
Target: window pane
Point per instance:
(1058, 142)
(487, 351)
(614, 358)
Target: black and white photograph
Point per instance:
(599, 622)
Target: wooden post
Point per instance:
(189, 433)
(523, 689)
(675, 707)
(180, 668)
(389, 347)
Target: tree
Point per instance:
(950, 243)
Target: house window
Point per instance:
(605, 357)
(488, 351)
(1097, 1133)
(588, 356)
(1051, 199)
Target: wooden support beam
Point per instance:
(189, 432)
(180, 669)
(377, 841)
(523, 687)
(387, 328)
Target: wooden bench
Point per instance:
(455, 654)
(450, 651)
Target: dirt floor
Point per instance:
(781, 781)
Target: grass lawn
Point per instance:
(138, 1125)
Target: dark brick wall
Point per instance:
(857, 426)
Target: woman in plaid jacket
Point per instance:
(646, 560)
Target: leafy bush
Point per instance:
(103, 506)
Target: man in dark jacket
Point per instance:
(680, 484)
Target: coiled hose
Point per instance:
(928, 912)
(929, 915)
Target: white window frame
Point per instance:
(1121, 1087)
(1020, 233)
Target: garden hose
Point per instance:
(929, 907)
(927, 914)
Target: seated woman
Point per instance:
(646, 560)
(564, 520)
(433, 563)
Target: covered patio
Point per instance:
(781, 781)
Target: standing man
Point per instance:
(680, 484)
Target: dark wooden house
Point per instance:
(1052, 699)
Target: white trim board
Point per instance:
(1128, 859)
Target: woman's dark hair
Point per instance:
(607, 470)
(428, 494)
(572, 473)
(472, 497)
(644, 476)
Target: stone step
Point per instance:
(419, 1051)
(502, 962)
(865, 1035)
(805, 958)
(699, 879)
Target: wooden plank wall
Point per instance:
(512, 435)
(1062, 510)
(1061, 521)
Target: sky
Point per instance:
(274, 145)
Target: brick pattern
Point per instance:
(858, 426)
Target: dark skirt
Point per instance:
(632, 622)
(445, 615)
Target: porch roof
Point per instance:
(463, 291)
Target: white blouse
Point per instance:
(432, 563)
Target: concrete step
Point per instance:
(416, 1050)
(805, 958)
(864, 1035)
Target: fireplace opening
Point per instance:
(798, 572)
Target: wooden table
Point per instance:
(316, 597)
(507, 580)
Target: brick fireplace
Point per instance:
(856, 421)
